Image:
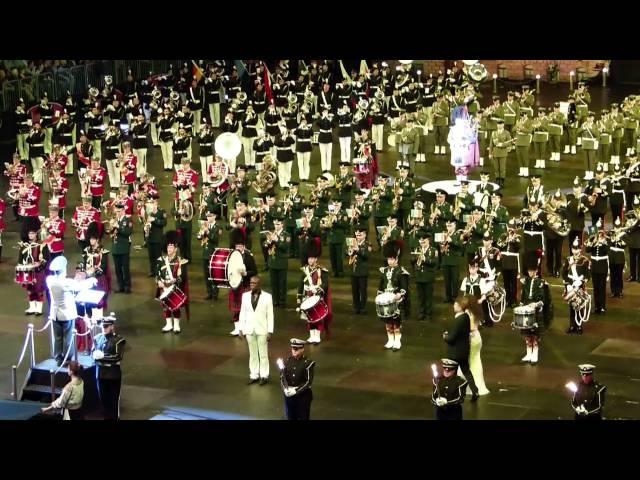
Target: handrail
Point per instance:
(43, 328)
(66, 355)
(26, 342)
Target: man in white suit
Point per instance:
(256, 322)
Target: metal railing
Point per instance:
(76, 80)
(29, 344)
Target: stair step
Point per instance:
(42, 388)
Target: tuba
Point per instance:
(477, 72)
(292, 99)
(266, 179)
(228, 146)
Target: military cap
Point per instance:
(586, 368)
(297, 343)
(449, 364)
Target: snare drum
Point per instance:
(524, 317)
(172, 298)
(387, 305)
(25, 274)
(315, 309)
(578, 299)
(495, 296)
(225, 267)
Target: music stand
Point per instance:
(89, 297)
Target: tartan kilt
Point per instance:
(235, 298)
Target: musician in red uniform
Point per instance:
(16, 173)
(96, 178)
(238, 240)
(57, 158)
(95, 263)
(29, 198)
(83, 216)
(31, 260)
(128, 166)
(122, 198)
(314, 281)
(54, 228)
(185, 181)
(171, 277)
(147, 188)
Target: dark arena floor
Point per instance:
(205, 370)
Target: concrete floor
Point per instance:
(356, 378)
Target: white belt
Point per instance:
(141, 136)
(205, 144)
(325, 131)
(513, 254)
(113, 147)
(605, 257)
(345, 124)
(527, 232)
(66, 134)
(635, 179)
(617, 191)
(615, 249)
(179, 151)
(283, 148)
(304, 139)
(37, 144)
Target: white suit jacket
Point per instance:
(260, 320)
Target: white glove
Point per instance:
(290, 391)
(440, 401)
(98, 355)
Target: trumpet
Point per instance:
(421, 257)
(328, 220)
(507, 238)
(397, 195)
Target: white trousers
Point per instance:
(258, 356)
(68, 170)
(197, 115)
(284, 173)
(154, 133)
(48, 134)
(204, 167)
(36, 164)
(345, 149)
(325, 156)
(232, 164)
(114, 174)
(167, 153)
(21, 142)
(377, 136)
(303, 165)
(247, 148)
(141, 153)
(214, 114)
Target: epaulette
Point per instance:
(403, 271)
(382, 269)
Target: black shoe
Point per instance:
(127, 291)
(264, 381)
(570, 330)
(210, 296)
(613, 295)
(252, 381)
(121, 290)
(579, 331)
(631, 279)
(152, 275)
(620, 295)
(474, 397)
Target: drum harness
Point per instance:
(582, 315)
(495, 311)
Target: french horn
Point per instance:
(266, 179)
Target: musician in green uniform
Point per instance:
(336, 223)
(497, 216)
(360, 211)
(540, 128)
(511, 112)
(344, 184)
(500, 140)
(407, 191)
(440, 212)
(292, 210)
(474, 232)
(618, 132)
(156, 220)
(358, 258)
(278, 244)
(572, 123)
(556, 130)
(606, 126)
(425, 262)
(483, 135)
(308, 227)
(631, 114)
(451, 251)
(440, 123)
(382, 198)
(590, 135)
(209, 236)
(583, 99)
(527, 100)
(121, 229)
(523, 135)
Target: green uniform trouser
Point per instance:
(572, 135)
(425, 299)
(630, 137)
(556, 143)
(590, 159)
(615, 142)
(483, 145)
(604, 152)
(451, 275)
(295, 246)
(279, 286)
(155, 251)
(336, 255)
(540, 150)
(212, 288)
(523, 156)
(500, 166)
(440, 135)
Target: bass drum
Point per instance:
(225, 268)
(391, 140)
